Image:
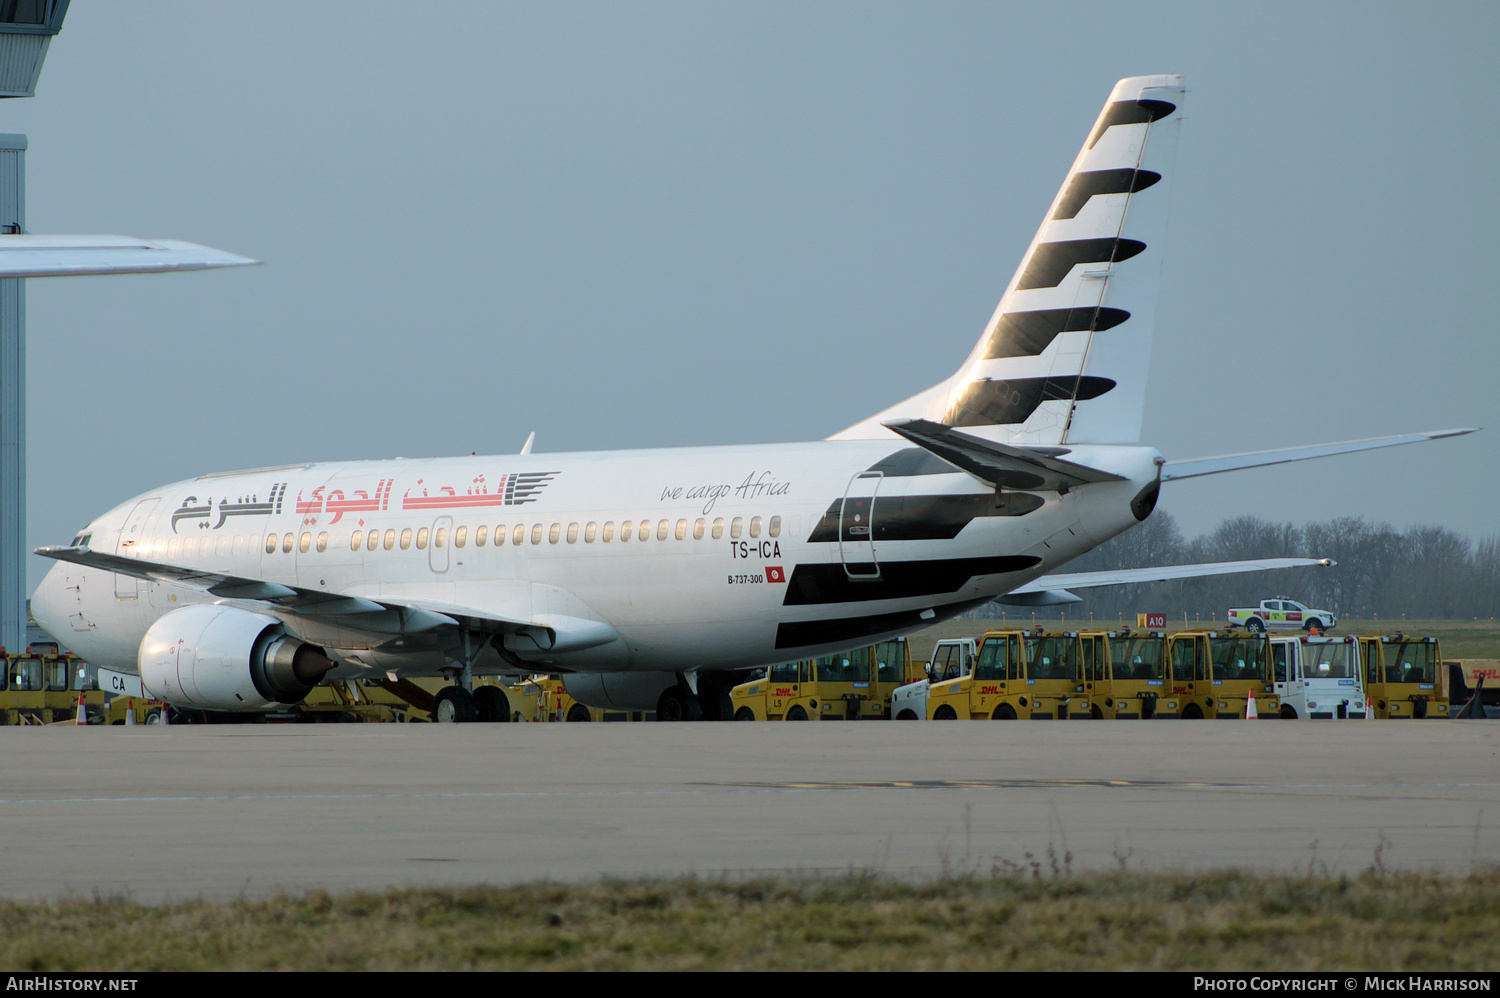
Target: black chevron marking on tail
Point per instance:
(1085, 185)
(1027, 334)
(1130, 112)
(990, 402)
(1050, 262)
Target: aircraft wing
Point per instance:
(996, 463)
(1173, 470)
(1053, 589)
(382, 616)
(74, 256)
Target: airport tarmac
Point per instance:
(221, 812)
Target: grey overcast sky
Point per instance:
(656, 224)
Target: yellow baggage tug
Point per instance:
(852, 686)
(1125, 674)
(1214, 674)
(1401, 676)
(1012, 674)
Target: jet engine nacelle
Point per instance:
(223, 658)
(620, 690)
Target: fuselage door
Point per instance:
(131, 535)
(857, 527)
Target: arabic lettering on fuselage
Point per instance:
(337, 503)
(193, 508)
(510, 490)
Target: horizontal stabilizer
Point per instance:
(1001, 465)
(1174, 470)
(1125, 576)
(77, 256)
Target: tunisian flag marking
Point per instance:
(775, 574)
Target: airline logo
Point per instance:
(775, 573)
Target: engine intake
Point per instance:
(225, 658)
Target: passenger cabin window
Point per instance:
(270, 544)
(572, 533)
(755, 526)
(481, 534)
(775, 526)
(518, 534)
(662, 528)
(609, 531)
(626, 530)
(735, 527)
(304, 543)
(718, 531)
(406, 539)
(698, 526)
(645, 533)
(460, 537)
(589, 532)
(440, 537)
(323, 541)
(390, 539)
(682, 530)
(286, 544)
(421, 538)
(536, 533)
(554, 533)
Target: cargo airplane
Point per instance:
(634, 573)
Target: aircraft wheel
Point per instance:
(578, 712)
(677, 705)
(1004, 712)
(1254, 625)
(744, 714)
(945, 713)
(491, 704)
(1289, 712)
(454, 705)
(796, 714)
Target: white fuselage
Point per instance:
(751, 555)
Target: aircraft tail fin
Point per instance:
(1064, 357)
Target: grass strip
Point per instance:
(1214, 921)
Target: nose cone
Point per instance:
(47, 603)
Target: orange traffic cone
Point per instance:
(130, 711)
(82, 715)
(1250, 712)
